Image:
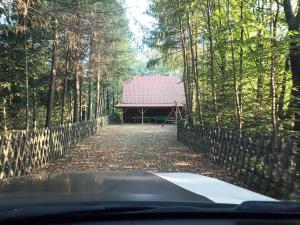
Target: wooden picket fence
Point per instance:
(23, 151)
(270, 170)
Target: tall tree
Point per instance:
(52, 81)
(293, 22)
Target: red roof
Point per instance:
(153, 91)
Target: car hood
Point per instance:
(122, 186)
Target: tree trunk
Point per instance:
(223, 56)
(198, 90)
(194, 70)
(4, 116)
(241, 69)
(107, 103)
(273, 27)
(189, 74)
(34, 115)
(90, 102)
(212, 65)
(26, 80)
(185, 68)
(52, 81)
(103, 102)
(293, 22)
(90, 74)
(113, 101)
(185, 78)
(235, 79)
(260, 53)
(76, 94)
(33, 84)
(80, 100)
(281, 99)
(71, 110)
(65, 86)
(98, 96)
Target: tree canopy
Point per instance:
(239, 60)
(61, 61)
(65, 61)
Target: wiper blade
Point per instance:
(269, 207)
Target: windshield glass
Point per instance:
(150, 101)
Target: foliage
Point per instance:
(83, 46)
(234, 56)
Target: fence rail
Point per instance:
(270, 170)
(22, 151)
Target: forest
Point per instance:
(66, 61)
(240, 60)
(61, 61)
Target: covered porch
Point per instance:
(144, 114)
(148, 114)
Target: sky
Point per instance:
(136, 13)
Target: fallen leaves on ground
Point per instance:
(136, 147)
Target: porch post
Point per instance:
(122, 116)
(142, 115)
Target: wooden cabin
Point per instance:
(152, 99)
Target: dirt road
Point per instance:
(135, 147)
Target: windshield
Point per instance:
(150, 101)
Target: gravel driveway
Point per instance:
(135, 147)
